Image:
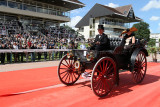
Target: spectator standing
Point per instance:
(9, 60)
(65, 47)
(82, 46)
(52, 47)
(15, 46)
(39, 53)
(45, 53)
(61, 52)
(33, 53)
(56, 53)
(3, 54)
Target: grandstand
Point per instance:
(36, 17)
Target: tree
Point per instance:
(143, 31)
(152, 42)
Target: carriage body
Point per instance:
(104, 65)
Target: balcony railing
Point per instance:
(34, 8)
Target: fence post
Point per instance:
(11, 57)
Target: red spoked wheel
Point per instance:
(103, 76)
(140, 67)
(66, 71)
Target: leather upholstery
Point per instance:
(114, 42)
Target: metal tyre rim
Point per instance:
(140, 67)
(66, 71)
(103, 76)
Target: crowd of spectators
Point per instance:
(28, 41)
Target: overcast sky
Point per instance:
(148, 10)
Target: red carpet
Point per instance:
(127, 94)
(23, 80)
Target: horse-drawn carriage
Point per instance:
(104, 65)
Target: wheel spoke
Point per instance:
(110, 70)
(99, 86)
(106, 65)
(63, 72)
(139, 67)
(64, 75)
(65, 65)
(67, 76)
(69, 61)
(62, 68)
(103, 82)
(66, 62)
(96, 85)
(66, 71)
(72, 76)
(101, 67)
(98, 71)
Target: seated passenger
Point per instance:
(128, 38)
(101, 41)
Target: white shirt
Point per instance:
(82, 46)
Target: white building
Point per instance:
(115, 20)
(157, 37)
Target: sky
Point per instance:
(148, 10)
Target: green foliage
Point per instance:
(69, 28)
(143, 31)
(153, 52)
(152, 42)
(153, 49)
(158, 49)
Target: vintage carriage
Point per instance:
(104, 65)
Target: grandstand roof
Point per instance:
(70, 4)
(99, 10)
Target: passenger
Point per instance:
(101, 41)
(129, 38)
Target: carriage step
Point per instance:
(86, 75)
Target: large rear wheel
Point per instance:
(66, 71)
(103, 76)
(140, 67)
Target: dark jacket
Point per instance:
(104, 41)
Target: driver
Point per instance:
(101, 41)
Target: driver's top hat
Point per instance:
(100, 27)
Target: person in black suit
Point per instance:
(3, 54)
(61, 52)
(101, 41)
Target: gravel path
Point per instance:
(21, 66)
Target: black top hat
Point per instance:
(100, 27)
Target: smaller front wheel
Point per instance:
(66, 71)
(103, 76)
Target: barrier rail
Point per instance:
(33, 51)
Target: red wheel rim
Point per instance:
(66, 71)
(140, 67)
(103, 77)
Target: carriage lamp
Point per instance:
(77, 65)
(70, 54)
(90, 56)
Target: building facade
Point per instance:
(34, 15)
(115, 20)
(156, 36)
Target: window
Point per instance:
(39, 10)
(12, 4)
(131, 13)
(125, 12)
(3, 3)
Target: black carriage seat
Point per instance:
(114, 43)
